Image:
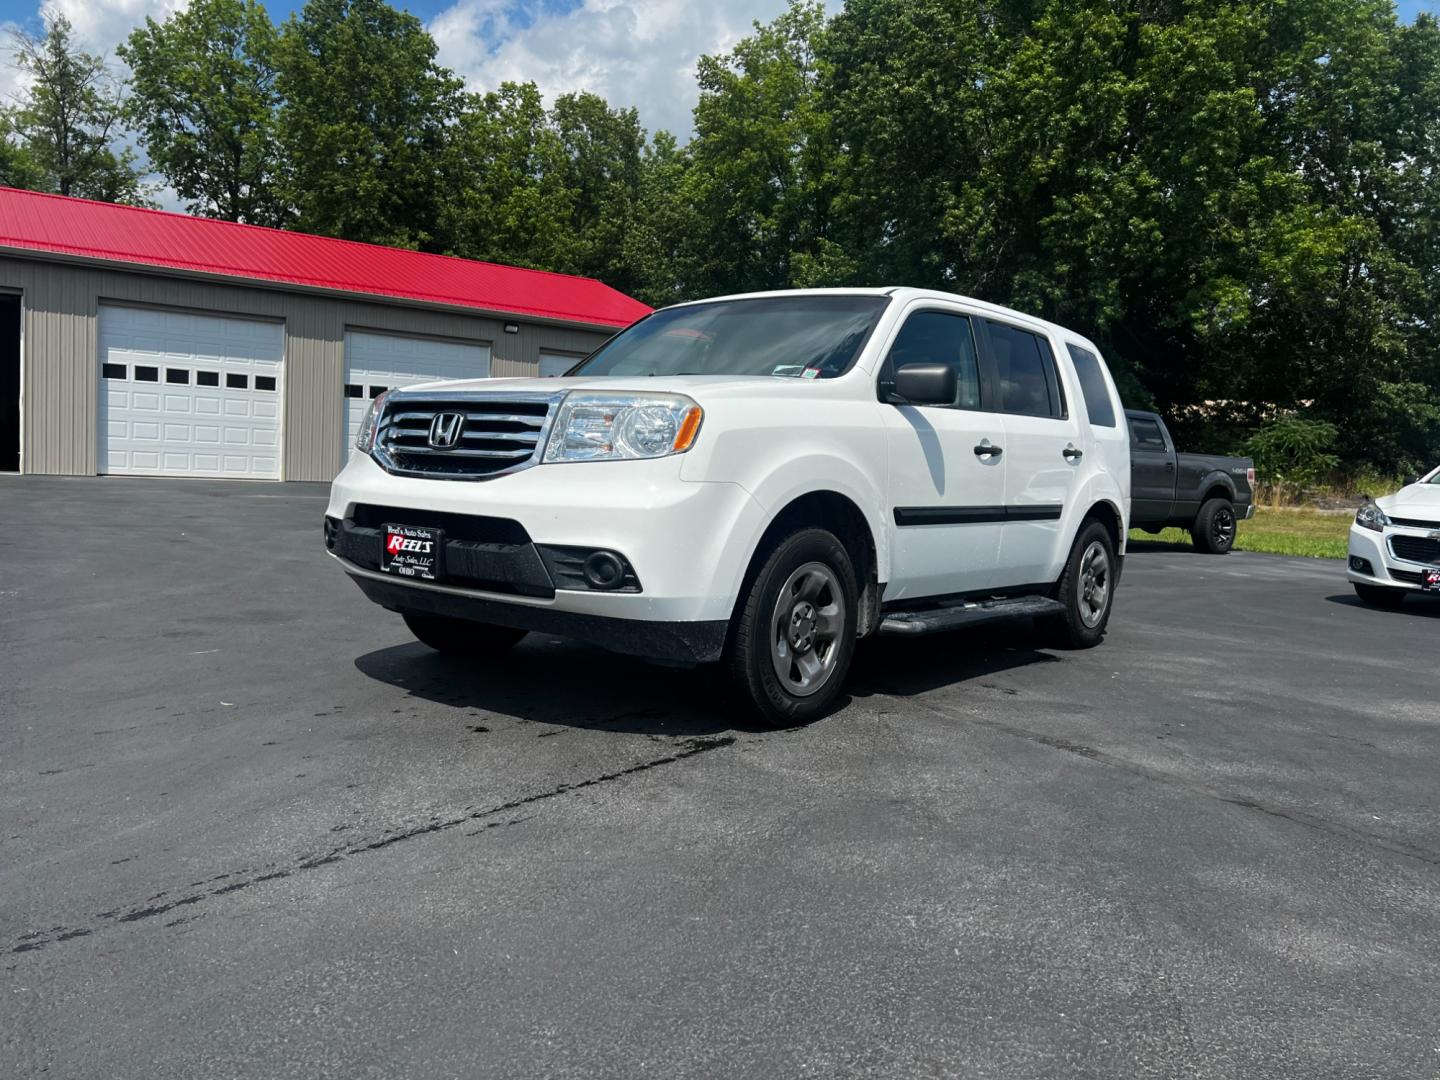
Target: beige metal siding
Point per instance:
(60, 363)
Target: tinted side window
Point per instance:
(1092, 386)
(1146, 434)
(1025, 367)
(937, 337)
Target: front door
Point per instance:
(1152, 471)
(947, 495)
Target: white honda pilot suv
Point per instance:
(760, 480)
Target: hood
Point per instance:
(697, 386)
(1416, 497)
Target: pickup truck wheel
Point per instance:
(1379, 595)
(460, 637)
(1086, 589)
(794, 632)
(1214, 528)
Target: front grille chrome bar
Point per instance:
(487, 444)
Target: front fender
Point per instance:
(814, 473)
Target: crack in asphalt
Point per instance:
(147, 909)
(1298, 817)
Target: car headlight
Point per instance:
(623, 427)
(365, 437)
(1371, 516)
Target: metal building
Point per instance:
(138, 342)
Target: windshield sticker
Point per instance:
(810, 373)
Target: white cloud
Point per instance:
(631, 52)
(100, 25)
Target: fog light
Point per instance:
(1361, 566)
(604, 570)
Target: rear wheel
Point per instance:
(460, 637)
(795, 629)
(1379, 595)
(1214, 528)
(1086, 589)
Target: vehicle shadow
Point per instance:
(550, 680)
(1136, 547)
(1419, 607)
(902, 667)
(554, 681)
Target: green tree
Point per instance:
(18, 168)
(758, 170)
(364, 122)
(601, 158)
(203, 97)
(68, 119)
(1229, 195)
(505, 195)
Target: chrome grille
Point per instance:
(1419, 549)
(498, 434)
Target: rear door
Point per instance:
(947, 495)
(1044, 446)
(1152, 471)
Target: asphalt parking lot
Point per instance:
(249, 828)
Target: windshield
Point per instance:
(798, 337)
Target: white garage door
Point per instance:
(378, 362)
(189, 395)
(553, 365)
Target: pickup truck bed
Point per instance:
(1204, 493)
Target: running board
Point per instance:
(968, 613)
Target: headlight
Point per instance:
(365, 437)
(623, 427)
(1371, 516)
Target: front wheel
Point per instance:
(795, 629)
(461, 637)
(1214, 528)
(1379, 595)
(1086, 589)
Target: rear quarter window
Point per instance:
(1098, 405)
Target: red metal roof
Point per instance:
(126, 234)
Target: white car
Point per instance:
(1395, 544)
(757, 479)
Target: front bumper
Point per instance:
(689, 543)
(1373, 561)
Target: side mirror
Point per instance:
(925, 384)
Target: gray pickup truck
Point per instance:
(1204, 493)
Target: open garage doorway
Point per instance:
(9, 382)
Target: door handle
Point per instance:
(985, 449)
(1071, 454)
(1169, 466)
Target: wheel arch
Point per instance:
(840, 514)
(1109, 515)
(1217, 485)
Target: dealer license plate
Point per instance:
(1430, 579)
(414, 551)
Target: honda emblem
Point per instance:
(445, 430)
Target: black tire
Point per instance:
(756, 649)
(1080, 626)
(1379, 595)
(460, 637)
(1214, 528)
